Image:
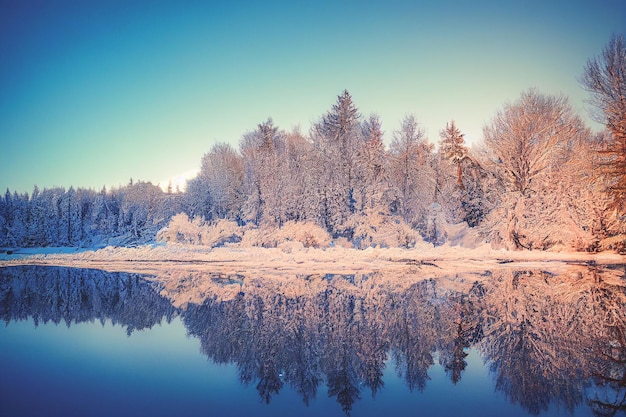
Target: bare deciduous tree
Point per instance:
(605, 78)
(526, 137)
(410, 171)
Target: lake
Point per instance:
(514, 342)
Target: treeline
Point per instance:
(82, 217)
(537, 181)
(341, 175)
(540, 179)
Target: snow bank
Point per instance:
(293, 258)
(19, 253)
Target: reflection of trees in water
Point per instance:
(51, 294)
(415, 333)
(465, 331)
(333, 330)
(542, 332)
(539, 332)
(608, 395)
(543, 335)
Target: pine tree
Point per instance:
(336, 139)
(453, 148)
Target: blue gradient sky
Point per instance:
(94, 93)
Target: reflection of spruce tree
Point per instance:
(221, 327)
(339, 362)
(304, 371)
(267, 335)
(458, 364)
(269, 379)
(370, 317)
(343, 384)
(459, 329)
(415, 334)
(51, 294)
(372, 354)
(304, 344)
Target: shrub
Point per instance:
(309, 234)
(376, 229)
(199, 232)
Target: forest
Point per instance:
(540, 179)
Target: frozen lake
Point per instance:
(503, 342)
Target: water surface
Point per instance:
(509, 342)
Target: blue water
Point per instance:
(90, 369)
(89, 347)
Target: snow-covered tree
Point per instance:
(3, 223)
(605, 78)
(372, 178)
(529, 146)
(299, 192)
(221, 175)
(462, 184)
(336, 140)
(411, 172)
(452, 147)
(70, 233)
(526, 137)
(264, 165)
(104, 214)
(37, 216)
(139, 211)
(198, 198)
(448, 194)
(15, 218)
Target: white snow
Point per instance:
(294, 259)
(19, 253)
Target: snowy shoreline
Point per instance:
(293, 259)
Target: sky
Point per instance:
(94, 93)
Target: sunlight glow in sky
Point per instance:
(93, 93)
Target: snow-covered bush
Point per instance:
(182, 230)
(198, 232)
(309, 234)
(616, 243)
(222, 232)
(376, 229)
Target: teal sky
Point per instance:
(93, 93)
